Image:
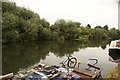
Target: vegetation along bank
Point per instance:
(20, 24)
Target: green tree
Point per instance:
(98, 27)
(22, 24)
(9, 7)
(9, 28)
(89, 26)
(98, 34)
(112, 33)
(105, 27)
(44, 23)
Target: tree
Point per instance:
(44, 23)
(112, 33)
(19, 24)
(105, 27)
(9, 7)
(22, 24)
(89, 26)
(9, 28)
(98, 34)
(98, 27)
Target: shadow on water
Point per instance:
(23, 55)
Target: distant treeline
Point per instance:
(21, 24)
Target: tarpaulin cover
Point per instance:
(60, 77)
(68, 77)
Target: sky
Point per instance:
(93, 12)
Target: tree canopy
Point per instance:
(21, 24)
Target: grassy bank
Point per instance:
(115, 73)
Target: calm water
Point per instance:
(23, 55)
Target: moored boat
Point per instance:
(114, 49)
(114, 46)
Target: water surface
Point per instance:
(23, 55)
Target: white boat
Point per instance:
(114, 49)
(115, 44)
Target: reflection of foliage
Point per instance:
(103, 47)
(22, 55)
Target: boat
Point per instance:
(114, 46)
(54, 72)
(114, 49)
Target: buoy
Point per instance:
(79, 63)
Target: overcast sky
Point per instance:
(94, 12)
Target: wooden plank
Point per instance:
(55, 74)
(39, 73)
(84, 71)
(83, 76)
(93, 66)
(97, 73)
(7, 76)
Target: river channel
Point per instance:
(18, 56)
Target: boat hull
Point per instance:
(114, 54)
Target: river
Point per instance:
(18, 56)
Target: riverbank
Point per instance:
(113, 73)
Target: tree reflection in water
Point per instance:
(23, 55)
